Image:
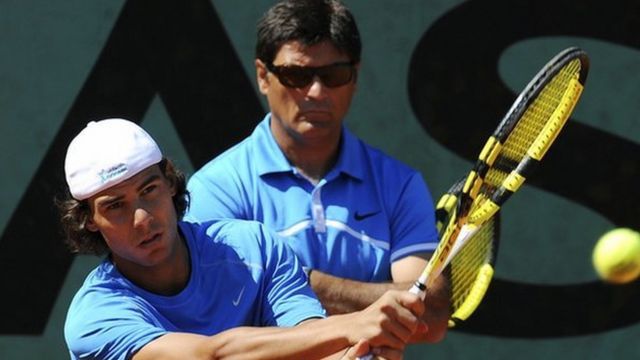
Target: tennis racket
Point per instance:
(509, 156)
(471, 270)
(514, 149)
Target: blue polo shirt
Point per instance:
(241, 275)
(367, 212)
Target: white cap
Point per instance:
(105, 153)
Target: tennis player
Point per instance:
(360, 221)
(169, 289)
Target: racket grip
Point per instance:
(419, 289)
(366, 357)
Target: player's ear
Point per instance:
(262, 76)
(170, 176)
(172, 184)
(172, 189)
(90, 225)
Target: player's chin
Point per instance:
(154, 257)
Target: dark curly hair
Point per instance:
(74, 214)
(310, 22)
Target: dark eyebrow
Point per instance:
(149, 180)
(146, 182)
(108, 202)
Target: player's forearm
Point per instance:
(320, 340)
(312, 340)
(328, 338)
(342, 296)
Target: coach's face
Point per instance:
(312, 113)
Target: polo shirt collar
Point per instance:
(272, 159)
(351, 156)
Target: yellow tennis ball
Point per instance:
(616, 256)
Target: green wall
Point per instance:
(51, 53)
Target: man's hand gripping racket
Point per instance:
(467, 234)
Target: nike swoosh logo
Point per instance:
(359, 217)
(237, 301)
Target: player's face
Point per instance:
(137, 220)
(311, 113)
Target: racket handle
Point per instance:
(419, 289)
(366, 357)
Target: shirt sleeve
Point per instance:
(213, 197)
(413, 222)
(108, 327)
(288, 298)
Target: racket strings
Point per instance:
(532, 123)
(539, 111)
(466, 266)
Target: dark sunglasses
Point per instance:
(295, 76)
